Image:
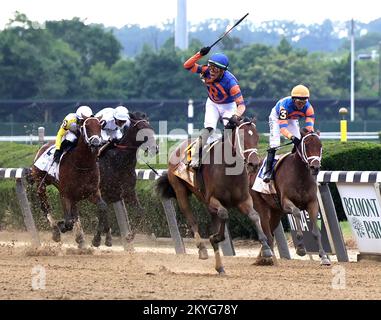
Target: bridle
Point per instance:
(241, 150)
(303, 152)
(89, 140)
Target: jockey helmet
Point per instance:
(219, 60)
(121, 113)
(300, 91)
(84, 111)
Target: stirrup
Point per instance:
(267, 177)
(194, 164)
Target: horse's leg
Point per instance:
(313, 213)
(78, 231)
(46, 209)
(289, 207)
(103, 223)
(68, 223)
(131, 199)
(184, 206)
(265, 217)
(216, 207)
(246, 207)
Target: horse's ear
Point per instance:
(317, 132)
(100, 117)
(84, 117)
(254, 120)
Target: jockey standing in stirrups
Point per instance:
(283, 120)
(67, 134)
(224, 95)
(113, 121)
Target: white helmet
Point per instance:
(121, 113)
(84, 111)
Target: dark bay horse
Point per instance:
(117, 164)
(226, 184)
(78, 180)
(296, 186)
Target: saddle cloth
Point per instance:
(186, 173)
(45, 162)
(261, 186)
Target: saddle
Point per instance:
(183, 171)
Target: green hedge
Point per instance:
(358, 156)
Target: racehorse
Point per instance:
(78, 180)
(117, 164)
(225, 185)
(296, 187)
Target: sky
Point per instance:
(155, 12)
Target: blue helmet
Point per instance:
(219, 60)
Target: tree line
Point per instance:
(68, 59)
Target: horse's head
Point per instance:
(246, 141)
(140, 134)
(91, 132)
(310, 150)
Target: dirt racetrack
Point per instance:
(154, 271)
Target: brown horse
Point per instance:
(225, 185)
(295, 183)
(117, 165)
(78, 180)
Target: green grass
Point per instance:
(16, 155)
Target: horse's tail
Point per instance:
(28, 175)
(164, 188)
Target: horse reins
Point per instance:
(251, 150)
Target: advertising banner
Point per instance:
(361, 204)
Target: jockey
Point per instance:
(67, 134)
(113, 122)
(224, 95)
(283, 120)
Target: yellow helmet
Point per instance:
(300, 91)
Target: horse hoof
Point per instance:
(267, 253)
(96, 242)
(325, 262)
(203, 254)
(81, 245)
(221, 271)
(130, 237)
(264, 262)
(108, 242)
(61, 226)
(301, 252)
(56, 234)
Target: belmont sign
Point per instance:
(362, 207)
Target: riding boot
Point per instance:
(67, 145)
(269, 165)
(202, 141)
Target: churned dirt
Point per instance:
(153, 271)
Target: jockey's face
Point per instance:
(215, 72)
(300, 102)
(120, 123)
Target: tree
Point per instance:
(92, 42)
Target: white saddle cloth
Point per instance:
(261, 186)
(46, 163)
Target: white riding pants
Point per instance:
(293, 127)
(215, 111)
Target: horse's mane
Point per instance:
(138, 115)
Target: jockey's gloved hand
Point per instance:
(295, 140)
(57, 156)
(204, 51)
(114, 141)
